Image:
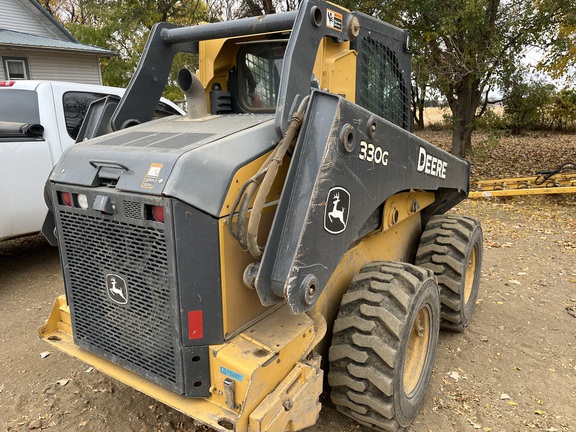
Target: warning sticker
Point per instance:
(152, 175)
(333, 20)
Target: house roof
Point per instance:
(13, 38)
(54, 21)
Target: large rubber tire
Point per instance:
(451, 246)
(384, 345)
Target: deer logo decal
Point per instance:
(337, 210)
(117, 289)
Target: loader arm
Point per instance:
(346, 164)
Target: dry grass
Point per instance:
(435, 116)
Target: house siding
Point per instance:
(25, 18)
(58, 66)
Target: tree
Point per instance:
(526, 100)
(560, 39)
(421, 78)
(123, 27)
(464, 43)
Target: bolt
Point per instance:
(288, 405)
(353, 28)
(420, 331)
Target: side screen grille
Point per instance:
(133, 210)
(140, 334)
(381, 88)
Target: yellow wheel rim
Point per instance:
(417, 350)
(470, 276)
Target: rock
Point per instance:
(35, 424)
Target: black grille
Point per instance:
(133, 210)
(381, 87)
(141, 334)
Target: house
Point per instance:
(33, 45)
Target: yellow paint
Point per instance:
(240, 305)
(518, 192)
(556, 184)
(335, 68)
(417, 350)
(335, 65)
(294, 404)
(59, 319)
(266, 356)
(245, 173)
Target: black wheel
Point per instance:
(451, 246)
(384, 345)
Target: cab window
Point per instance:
(259, 68)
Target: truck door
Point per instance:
(25, 163)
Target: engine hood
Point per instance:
(191, 160)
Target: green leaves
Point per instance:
(123, 27)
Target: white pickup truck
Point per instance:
(38, 120)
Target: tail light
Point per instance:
(66, 198)
(158, 213)
(7, 83)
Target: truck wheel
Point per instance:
(384, 345)
(451, 246)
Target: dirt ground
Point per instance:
(514, 369)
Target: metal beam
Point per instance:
(228, 29)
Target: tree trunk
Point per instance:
(418, 95)
(463, 105)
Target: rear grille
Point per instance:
(141, 334)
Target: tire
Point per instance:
(451, 246)
(384, 345)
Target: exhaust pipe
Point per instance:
(194, 93)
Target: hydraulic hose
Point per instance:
(259, 186)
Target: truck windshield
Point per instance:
(20, 106)
(259, 67)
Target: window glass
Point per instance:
(164, 110)
(259, 68)
(76, 105)
(16, 68)
(20, 106)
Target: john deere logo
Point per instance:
(337, 210)
(117, 289)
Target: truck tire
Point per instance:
(451, 246)
(384, 345)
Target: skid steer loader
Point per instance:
(291, 225)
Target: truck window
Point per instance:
(259, 68)
(76, 105)
(20, 106)
(164, 110)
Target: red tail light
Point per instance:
(66, 198)
(7, 83)
(158, 213)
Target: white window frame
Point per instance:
(22, 61)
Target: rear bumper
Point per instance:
(272, 387)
